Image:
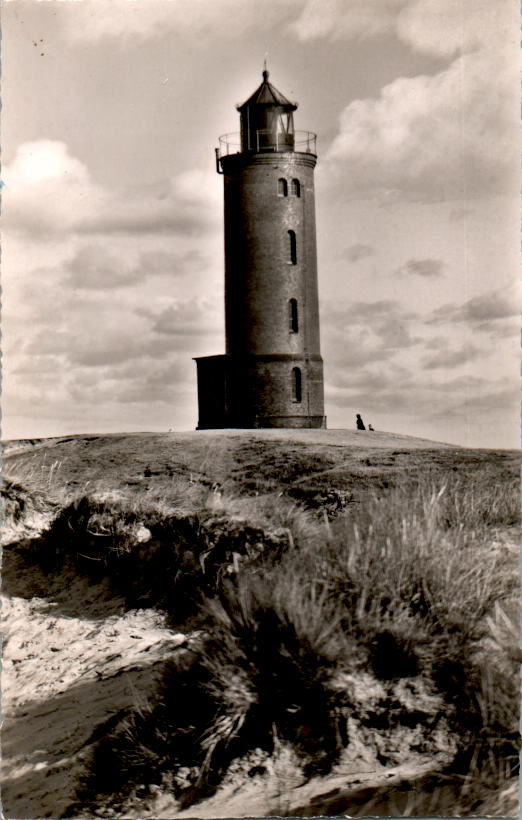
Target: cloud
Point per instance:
(374, 376)
(97, 333)
(104, 353)
(481, 311)
(48, 191)
(381, 309)
(97, 346)
(493, 399)
(142, 382)
(436, 27)
(427, 268)
(446, 136)
(38, 364)
(186, 318)
(394, 333)
(412, 395)
(198, 20)
(358, 251)
(453, 358)
(390, 364)
(189, 205)
(490, 307)
(338, 19)
(352, 352)
(452, 135)
(446, 27)
(97, 267)
(80, 304)
(439, 27)
(365, 333)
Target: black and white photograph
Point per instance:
(260, 342)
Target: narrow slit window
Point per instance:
(296, 187)
(282, 187)
(297, 392)
(293, 319)
(292, 247)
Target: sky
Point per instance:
(112, 248)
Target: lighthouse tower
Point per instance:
(272, 372)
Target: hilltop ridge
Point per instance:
(334, 436)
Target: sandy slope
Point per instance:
(63, 677)
(282, 790)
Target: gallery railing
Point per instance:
(299, 141)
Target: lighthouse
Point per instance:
(272, 372)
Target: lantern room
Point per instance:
(267, 121)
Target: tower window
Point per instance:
(296, 187)
(282, 187)
(292, 248)
(297, 392)
(293, 320)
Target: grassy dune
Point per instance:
(350, 609)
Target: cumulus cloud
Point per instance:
(70, 340)
(438, 27)
(48, 191)
(446, 136)
(427, 268)
(452, 135)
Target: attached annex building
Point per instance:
(272, 372)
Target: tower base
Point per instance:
(255, 392)
(271, 422)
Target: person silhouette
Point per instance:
(360, 423)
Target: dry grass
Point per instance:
(406, 585)
(404, 589)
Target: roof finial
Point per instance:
(265, 69)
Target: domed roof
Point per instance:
(267, 94)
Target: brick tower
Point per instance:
(272, 372)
